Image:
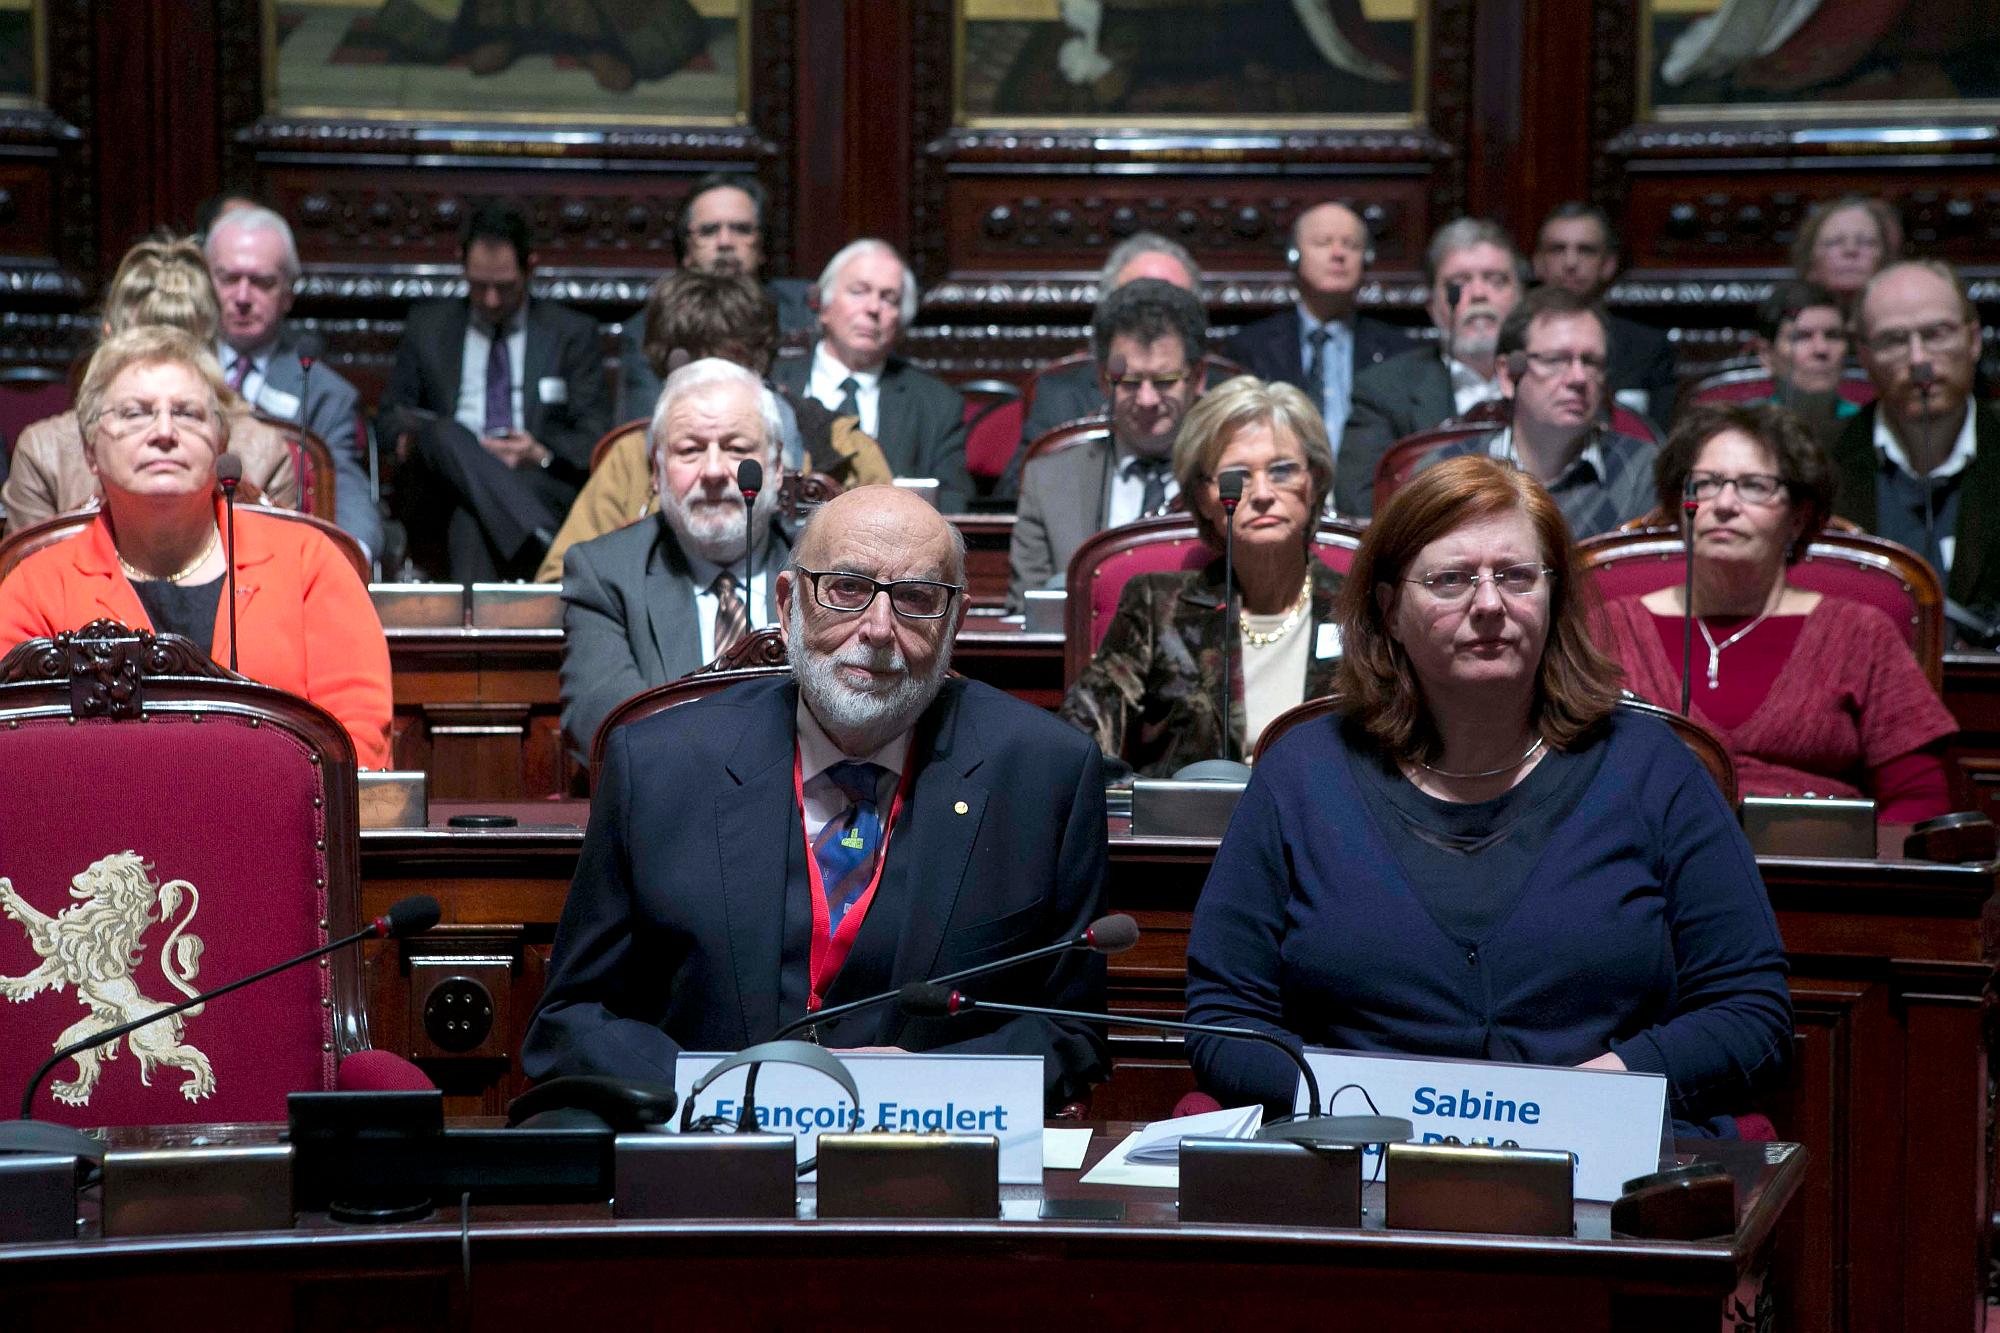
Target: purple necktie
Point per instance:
(499, 386)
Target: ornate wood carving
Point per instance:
(106, 666)
(754, 652)
(1710, 221)
(57, 199)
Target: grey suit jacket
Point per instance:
(1399, 397)
(629, 620)
(1062, 504)
(328, 406)
(920, 425)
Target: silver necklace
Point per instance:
(1526, 755)
(1715, 649)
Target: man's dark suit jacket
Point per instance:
(1642, 358)
(1400, 397)
(331, 409)
(680, 931)
(629, 619)
(920, 424)
(1974, 582)
(562, 349)
(1269, 349)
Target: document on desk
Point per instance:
(1151, 1156)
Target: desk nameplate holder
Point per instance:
(1489, 1191)
(1270, 1182)
(393, 798)
(1043, 609)
(181, 1191)
(1809, 826)
(898, 1175)
(683, 1176)
(516, 605)
(37, 1197)
(419, 605)
(1173, 808)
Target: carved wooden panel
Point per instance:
(48, 196)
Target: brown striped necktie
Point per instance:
(731, 619)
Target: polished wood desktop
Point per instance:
(492, 1267)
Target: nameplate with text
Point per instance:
(949, 1094)
(1614, 1121)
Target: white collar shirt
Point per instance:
(817, 753)
(824, 384)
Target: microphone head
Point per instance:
(1452, 292)
(410, 916)
(1112, 934)
(228, 470)
(677, 358)
(749, 477)
(306, 363)
(1517, 365)
(1114, 366)
(1923, 374)
(924, 999)
(1230, 487)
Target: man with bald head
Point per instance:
(1921, 464)
(1320, 343)
(866, 821)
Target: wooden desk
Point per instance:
(1888, 1095)
(524, 1267)
(1972, 693)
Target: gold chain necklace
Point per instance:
(1257, 639)
(141, 576)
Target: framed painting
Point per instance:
(541, 62)
(1818, 60)
(1191, 64)
(23, 61)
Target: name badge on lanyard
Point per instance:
(830, 947)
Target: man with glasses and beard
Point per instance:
(650, 602)
(868, 821)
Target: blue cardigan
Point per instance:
(1643, 930)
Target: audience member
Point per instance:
(1320, 343)
(153, 424)
(1921, 465)
(1577, 250)
(1844, 241)
(1154, 333)
(696, 315)
(159, 282)
(1552, 359)
(1822, 695)
(502, 398)
(1480, 857)
(650, 602)
(1802, 342)
(736, 841)
(254, 263)
(1150, 694)
(1474, 276)
(866, 299)
(719, 229)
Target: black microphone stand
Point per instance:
(750, 481)
(1923, 375)
(1688, 507)
(1229, 487)
(229, 471)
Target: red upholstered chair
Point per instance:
(993, 417)
(1892, 578)
(1083, 430)
(615, 434)
(62, 527)
(1400, 463)
(756, 655)
(1102, 566)
(312, 463)
(1744, 380)
(165, 828)
(1627, 422)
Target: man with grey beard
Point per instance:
(791, 844)
(651, 602)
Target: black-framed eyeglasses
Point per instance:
(1753, 488)
(848, 593)
(1457, 585)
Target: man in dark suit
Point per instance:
(254, 263)
(1154, 332)
(1921, 465)
(1320, 344)
(503, 398)
(1474, 275)
(732, 840)
(656, 599)
(720, 229)
(866, 300)
(1577, 250)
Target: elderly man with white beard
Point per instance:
(870, 820)
(651, 602)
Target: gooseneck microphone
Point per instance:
(749, 480)
(229, 471)
(1107, 935)
(408, 916)
(1453, 293)
(1923, 375)
(1688, 506)
(1229, 488)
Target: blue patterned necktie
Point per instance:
(848, 846)
(499, 386)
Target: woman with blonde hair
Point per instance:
(160, 282)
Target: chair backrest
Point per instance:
(1744, 380)
(753, 656)
(165, 828)
(1854, 565)
(1108, 560)
(615, 434)
(29, 394)
(992, 436)
(1060, 365)
(312, 463)
(1627, 422)
(15, 549)
(1083, 430)
(1292, 717)
(1395, 468)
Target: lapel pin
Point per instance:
(960, 807)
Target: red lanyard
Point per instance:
(830, 947)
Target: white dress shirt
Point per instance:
(1963, 450)
(817, 753)
(824, 384)
(1469, 388)
(1125, 498)
(471, 412)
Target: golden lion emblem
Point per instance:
(96, 946)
